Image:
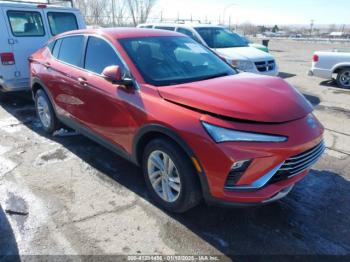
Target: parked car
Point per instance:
(256, 45)
(227, 44)
(334, 63)
(24, 29)
(196, 126)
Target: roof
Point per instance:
(35, 6)
(336, 34)
(185, 25)
(125, 32)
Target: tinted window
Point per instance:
(218, 37)
(146, 26)
(99, 55)
(56, 48)
(70, 51)
(186, 32)
(26, 23)
(51, 45)
(169, 28)
(174, 60)
(61, 22)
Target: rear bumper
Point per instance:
(321, 73)
(14, 85)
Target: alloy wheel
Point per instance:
(44, 111)
(344, 79)
(164, 176)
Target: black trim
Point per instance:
(143, 131)
(29, 11)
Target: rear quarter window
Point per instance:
(60, 22)
(71, 50)
(26, 23)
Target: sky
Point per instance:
(262, 12)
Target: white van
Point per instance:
(24, 28)
(225, 43)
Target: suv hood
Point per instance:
(243, 96)
(244, 53)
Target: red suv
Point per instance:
(196, 126)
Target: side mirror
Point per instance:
(114, 74)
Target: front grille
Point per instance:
(265, 66)
(299, 163)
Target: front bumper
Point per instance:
(268, 200)
(217, 159)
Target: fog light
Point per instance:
(237, 170)
(240, 164)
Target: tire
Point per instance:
(343, 78)
(44, 109)
(189, 188)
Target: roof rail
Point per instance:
(47, 2)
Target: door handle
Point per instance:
(47, 65)
(82, 81)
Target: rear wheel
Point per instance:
(45, 112)
(343, 78)
(170, 176)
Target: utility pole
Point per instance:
(311, 26)
(113, 18)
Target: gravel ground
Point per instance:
(66, 195)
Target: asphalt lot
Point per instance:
(66, 195)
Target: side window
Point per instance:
(71, 50)
(61, 22)
(51, 45)
(185, 32)
(99, 55)
(26, 23)
(188, 33)
(56, 48)
(169, 28)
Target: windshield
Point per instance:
(170, 60)
(218, 37)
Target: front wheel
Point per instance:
(46, 112)
(170, 176)
(343, 78)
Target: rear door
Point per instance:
(27, 34)
(7, 70)
(60, 21)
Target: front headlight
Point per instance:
(242, 65)
(221, 134)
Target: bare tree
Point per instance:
(248, 28)
(332, 28)
(140, 10)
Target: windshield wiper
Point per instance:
(212, 76)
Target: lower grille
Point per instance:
(265, 66)
(297, 164)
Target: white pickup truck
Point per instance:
(327, 64)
